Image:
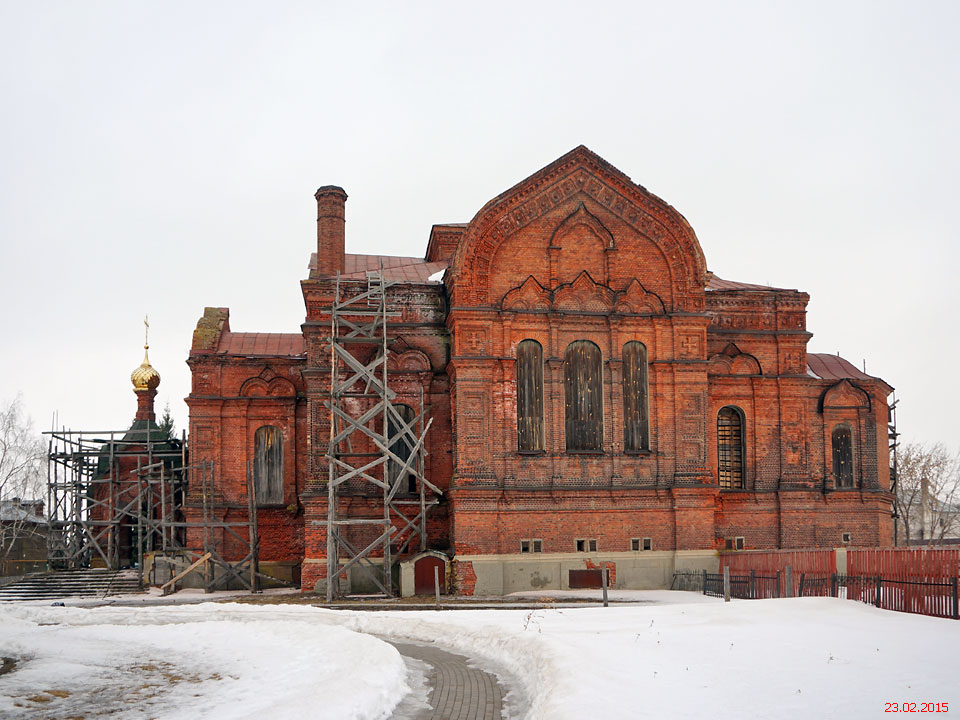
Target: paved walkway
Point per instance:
(457, 691)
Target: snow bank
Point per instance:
(681, 657)
(200, 661)
(788, 658)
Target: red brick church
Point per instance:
(598, 398)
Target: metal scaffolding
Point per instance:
(893, 437)
(375, 450)
(115, 496)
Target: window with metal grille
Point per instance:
(636, 436)
(730, 450)
(530, 396)
(843, 456)
(268, 464)
(583, 392)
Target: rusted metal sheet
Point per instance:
(530, 396)
(635, 422)
(580, 579)
(583, 392)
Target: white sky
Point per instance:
(156, 158)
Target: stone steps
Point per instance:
(71, 583)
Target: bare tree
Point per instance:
(21, 475)
(928, 492)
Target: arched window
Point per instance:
(268, 464)
(583, 388)
(529, 396)
(730, 448)
(636, 426)
(843, 456)
(401, 445)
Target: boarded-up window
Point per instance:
(401, 445)
(268, 464)
(583, 388)
(636, 435)
(730, 450)
(843, 456)
(529, 396)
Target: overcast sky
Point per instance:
(156, 158)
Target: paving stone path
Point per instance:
(457, 691)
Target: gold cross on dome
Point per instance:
(146, 332)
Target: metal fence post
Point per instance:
(605, 573)
(726, 583)
(956, 609)
(704, 582)
(776, 590)
(879, 580)
(788, 581)
(753, 584)
(803, 576)
(833, 585)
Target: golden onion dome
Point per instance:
(145, 377)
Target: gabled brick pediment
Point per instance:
(578, 204)
(583, 294)
(844, 394)
(529, 296)
(636, 299)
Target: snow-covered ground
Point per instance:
(676, 655)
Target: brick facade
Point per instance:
(576, 252)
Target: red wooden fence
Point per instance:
(901, 572)
(820, 562)
(915, 580)
(904, 563)
(773, 563)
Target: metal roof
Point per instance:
(395, 268)
(716, 283)
(261, 344)
(834, 367)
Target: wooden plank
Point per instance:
(179, 576)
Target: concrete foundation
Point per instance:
(650, 570)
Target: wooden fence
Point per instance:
(915, 580)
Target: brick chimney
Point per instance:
(331, 222)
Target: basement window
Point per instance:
(586, 545)
(638, 544)
(734, 543)
(527, 546)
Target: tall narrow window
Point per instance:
(730, 450)
(636, 432)
(843, 456)
(268, 464)
(583, 389)
(401, 445)
(529, 396)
